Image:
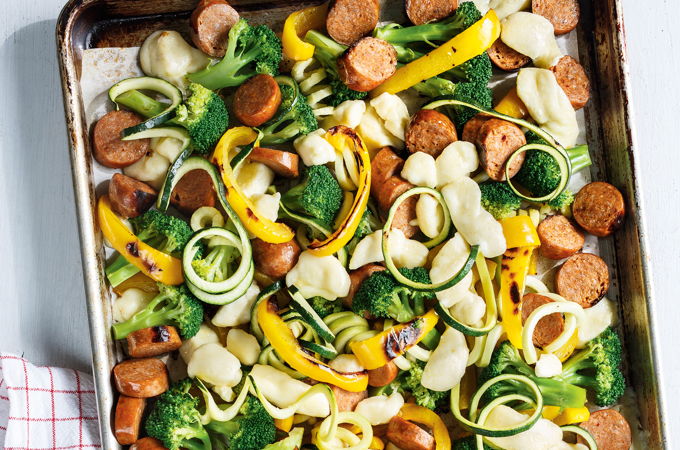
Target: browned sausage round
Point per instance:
(148, 443)
(384, 165)
(559, 237)
(109, 149)
(497, 140)
(129, 412)
(130, 197)
(367, 63)
(424, 11)
(382, 376)
(563, 14)
(408, 436)
(506, 58)
(347, 400)
(583, 279)
(153, 341)
(548, 328)
(275, 260)
(257, 100)
(430, 131)
(210, 25)
(357, 277)
(609, 429)
(387, 193)
(599, 208)
(194, 190)
(350, 20)
(281, 162)
(573, 80)
(472, 126)
(142, 378)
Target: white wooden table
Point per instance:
(42, 305)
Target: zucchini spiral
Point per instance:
(311, 75)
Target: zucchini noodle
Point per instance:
(535, 284)
(419, 353)
(484, 347)
(346, 170)
(213, 411)
(533, 213)
(348, 327)
(310, 74)
(402, 363)
(269, 357)
(583, 433)
(206, 217)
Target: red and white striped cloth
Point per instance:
(45, 407)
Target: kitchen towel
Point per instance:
(45, 407)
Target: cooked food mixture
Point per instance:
(343, 242)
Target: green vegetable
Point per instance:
(252, 429)
(325, 307)
(368, 224)
(467, 443)
(174, 305)
(410, 381)
(298, 119)
(251, 50)
(498, 199)
(381, 295)
(292, 442)
(477, 94)
(478, 70)
(319, 195)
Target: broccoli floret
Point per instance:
(174, 305)
(477, 94)
(410, 381)
(175, 421)
(368, 224)
(324, 307)
(499, 199)
(326, 52)
(161, 231)
(597, 368)
(507, 360)
(563, 201)
(252, 429)
(381, 295)
(250, 50)
(297, 121)
(319, 195)
(216, 264)
(467, 443)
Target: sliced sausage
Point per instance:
(194, 190)
(142, 378)
(382, 376)
(109, 149)
(505, 57)
(472, 126)
(347, 400)
(387, 193)
(148, 443)
(572, 78)
(153, 341)
(130, 197)
(610, 430)
(424, 11)
(357, 277)
(548, 328)
(281, 162)
(497, 140)
(559, 237)
(275, 260)
(563, 14)
(350, 20)
(599, 208)
(430, 131)
(367, 63)
(408, 436)
(583, 279)
(257, 100)
(385, 164)
(129, 412)
(210, 25)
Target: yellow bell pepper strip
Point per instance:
(521, 238)
(261, 227)
(284, 424)
(155, 264)
(382, 348)
(343, 138)
(511, 105)
(286, 345)
(569, 416)
(564, 352)
(424, 416)
(298, 24)
(470, 43)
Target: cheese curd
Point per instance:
(237, 312)
(254, 178)
(548, 365)
(267, 205)
(448, 262)
(130, 303)
(347, 113)
(392, 109)
(314, 149)
(374, 134)
(321, 276)
(153, 168)
(458, 159)
(283, 390)
(420, 170)
(379, 410)
(469, 309)
(215, 365)
(405, 252)
(596, 319)
(533, 36)
(244, 346)
(447, 363)
(429, 215)
(504, 8)
(346, 364)
(205, 335)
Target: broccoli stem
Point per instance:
(120, 270)
(427, 33)
(326, 50)
(579, 157)
(141, 103)
(150, 316)
(435, 87)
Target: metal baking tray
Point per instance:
(85, 24)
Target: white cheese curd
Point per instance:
(374, 134)
(237, 312)
(368, 250)
(450, 259)
(380, 409)
(165, 54)
(153, 168)
(347, 113)
(504, 8)
(548, 365)
(473, 222)
(469, 309)
(458, 159)
(596, 319)
(130, 303)
(314, 149)
(254, 178)
(243, 345)
(544, 435)
(420, 170)
(405, 252)
(346, 364)
(548, 104)
(447, 363)
(215, 365)
(283, 390)
(205, 335)
(430, 215)
(392, 109)
(321, 276)
(226, 393)
(531, 35)
(267, 205)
